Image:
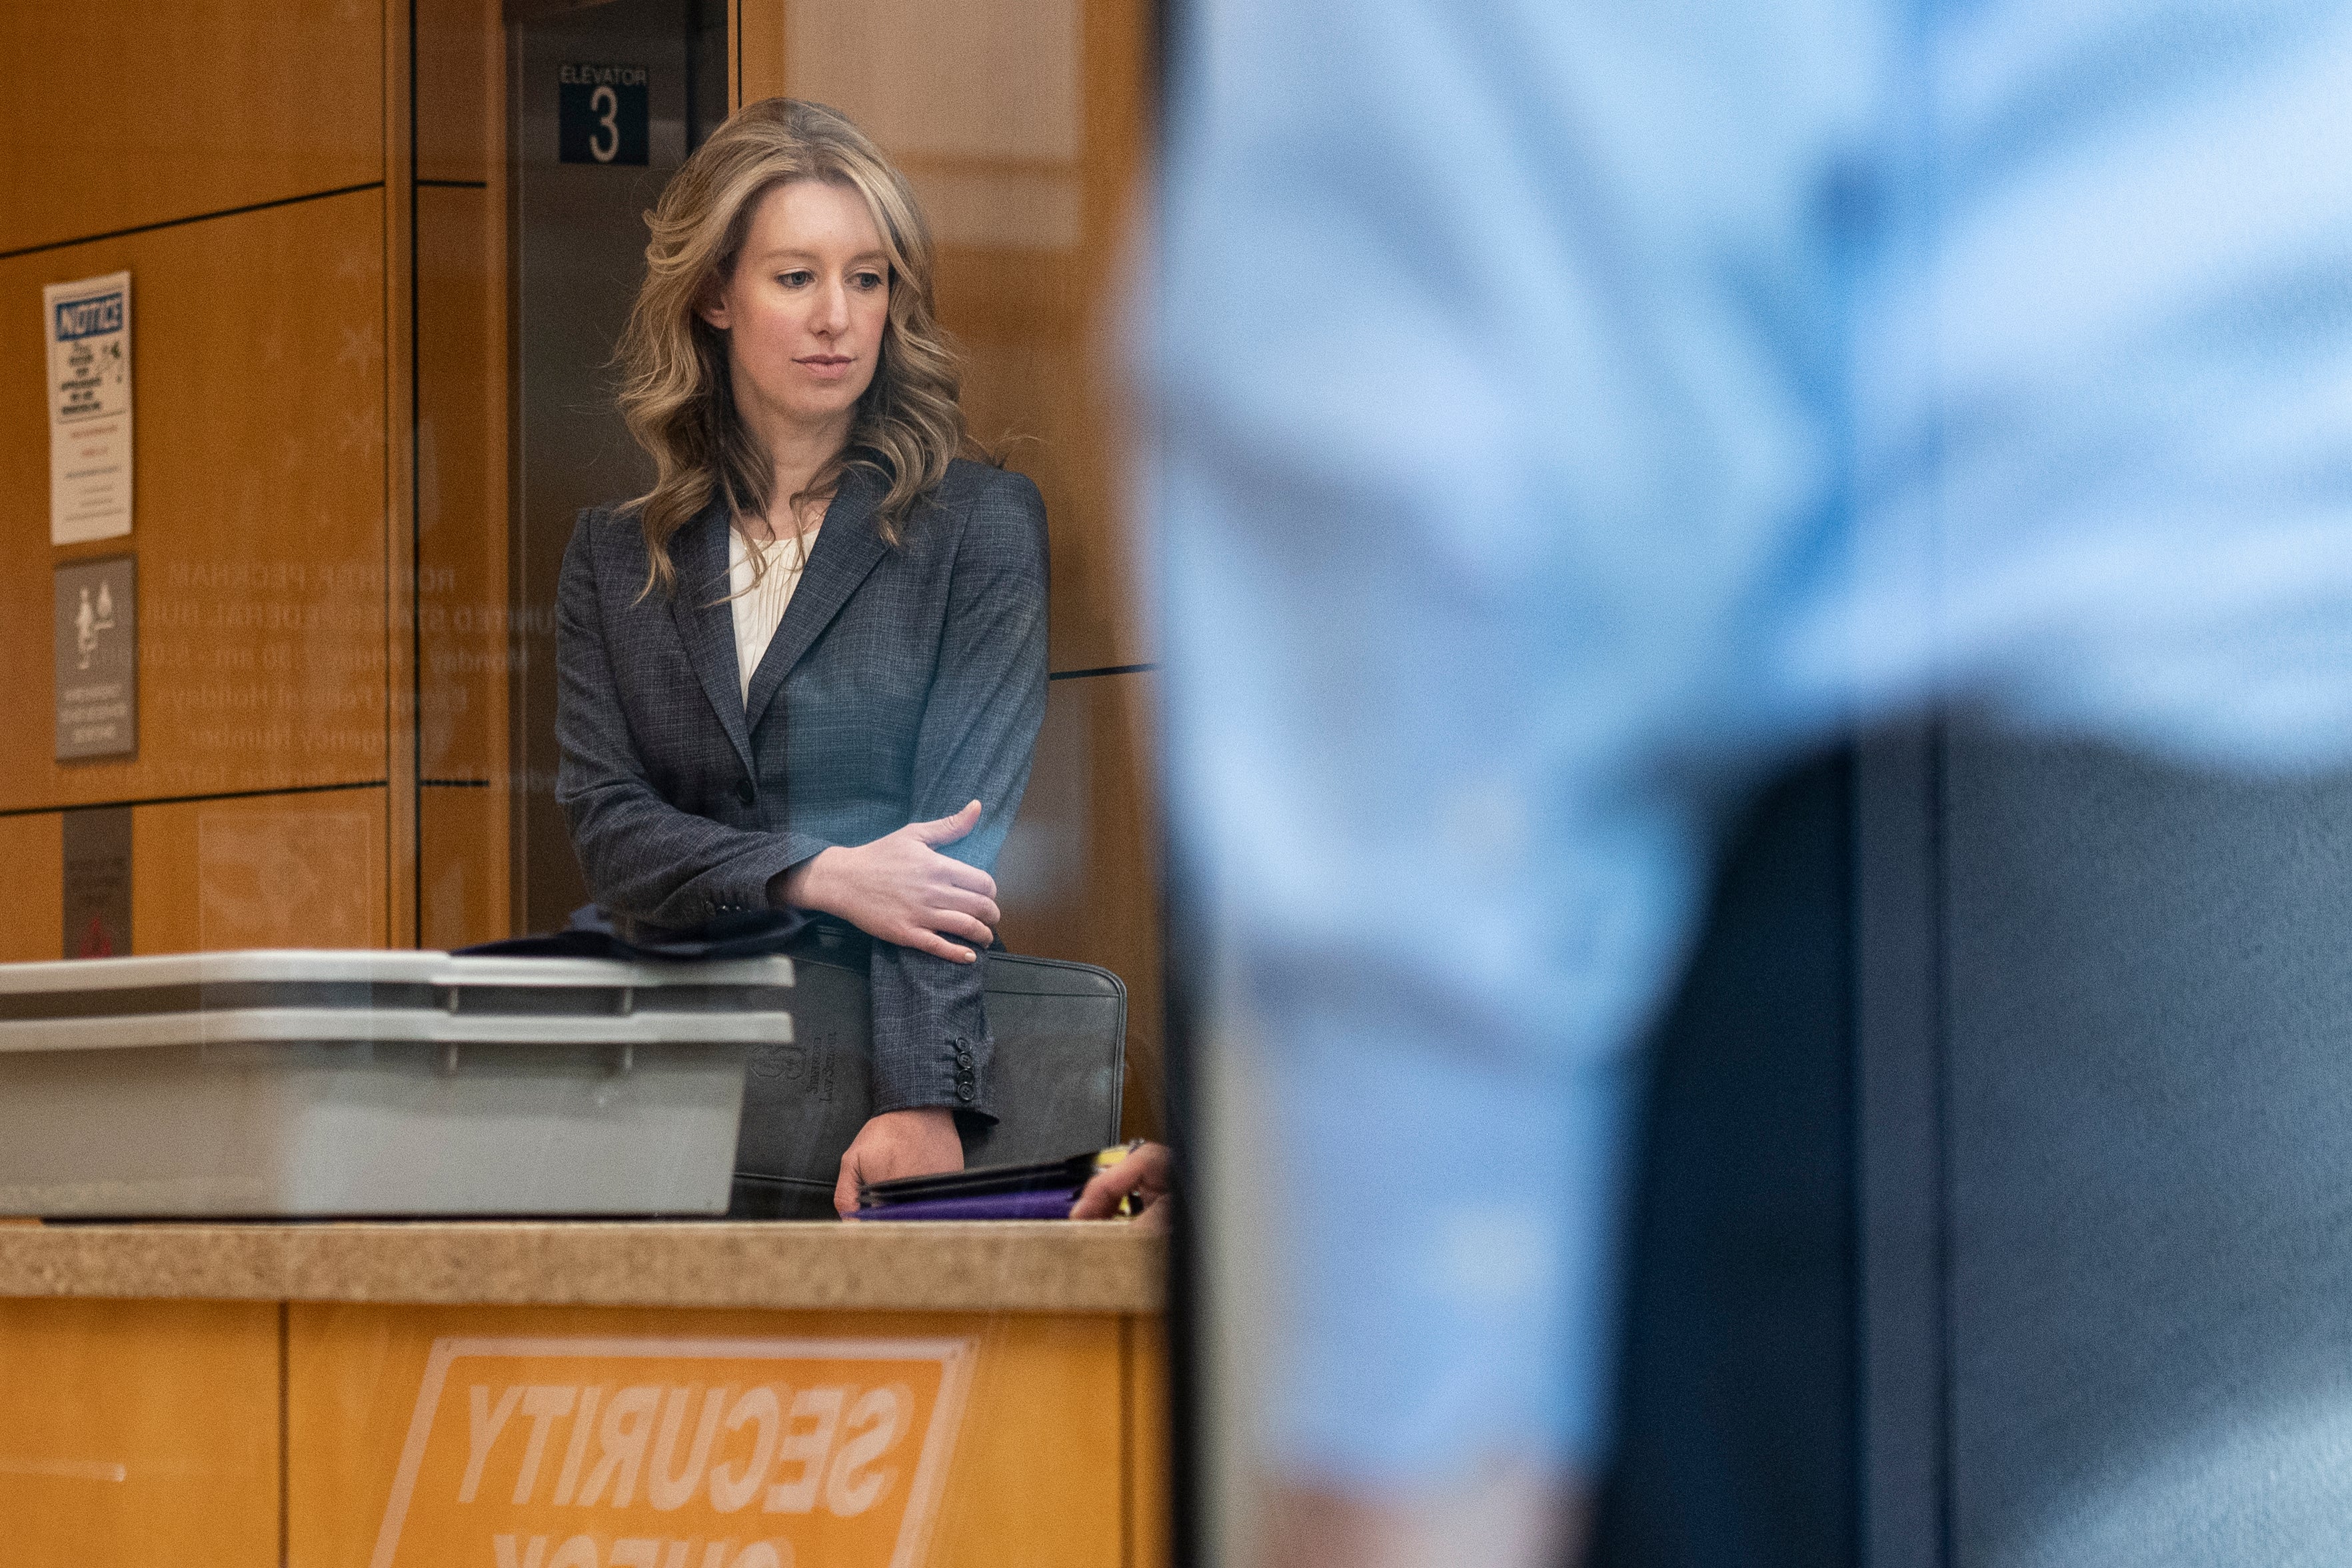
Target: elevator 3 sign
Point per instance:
(601, 115)
(659, 1453)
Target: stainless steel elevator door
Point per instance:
(578, 237)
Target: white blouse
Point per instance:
(759, 606)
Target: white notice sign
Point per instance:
(89, 408)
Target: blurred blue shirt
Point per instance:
(1569, 409)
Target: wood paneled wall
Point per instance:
(259, 870)
(259, 507)
(32, 887)
(124, 114)
(1024, 126)
(462, 887)
(253, 165)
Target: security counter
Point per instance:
(582, 1394)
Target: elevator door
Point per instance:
(578, 248)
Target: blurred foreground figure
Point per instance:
(1571, 410)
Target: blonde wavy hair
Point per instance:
(676, 392)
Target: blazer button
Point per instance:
(964, 1093)
(745, 793)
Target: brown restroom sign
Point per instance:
(602, 115)
(96, 658)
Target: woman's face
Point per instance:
(804, 311)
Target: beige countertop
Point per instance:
(1033, 1266)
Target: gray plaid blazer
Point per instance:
(901, 684)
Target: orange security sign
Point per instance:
(676, 1453)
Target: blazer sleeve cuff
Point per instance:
(951, 1074)
(742, 885)
(932, 1045)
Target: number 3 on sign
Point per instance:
(605, 139)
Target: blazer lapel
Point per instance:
(848, 550)
(706, 620)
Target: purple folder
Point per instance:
(1047, 1204)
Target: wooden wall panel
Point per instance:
(136, 112)
(1080, 877)
(260, 871)
(755, 51)
(398, 539)
(1151, 1536)
(139, 1432)
(461, 506)
(32, 887)
(462, 840)
(459, 100)
(1032, 1482)
(1024, 125)
(462, 885)
(260, 495)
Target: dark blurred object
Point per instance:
(1030, 1189)
(1057, 1077)
(752, 934)
(1738, 1416)
(2144, 1007)
(1042, 1204)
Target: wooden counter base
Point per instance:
(723, 1395)
(1040, 1266)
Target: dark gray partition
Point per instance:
(1902, 1331)
(2148, 1052)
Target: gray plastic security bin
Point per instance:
(261, 1084)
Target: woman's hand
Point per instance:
(898, 1144)
(900, 889)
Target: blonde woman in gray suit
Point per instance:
(808, 667)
